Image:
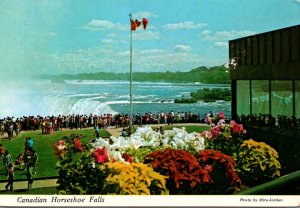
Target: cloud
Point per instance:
(108, 59)
(146, 35)
(184, 25)
(298, 1)
(112, 41)
(181, 48)
(206, 33)
(98, 25)
(144, 14)
(153, 51)
(221, 44)
(224, 35)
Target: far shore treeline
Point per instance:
(205, 75)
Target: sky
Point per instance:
(87, 36)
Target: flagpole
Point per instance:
(130, 75)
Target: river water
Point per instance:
(46, 98)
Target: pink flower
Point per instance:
(215, 131)
(221, 115)
(101, 155)
(236, 128)
(206, 134)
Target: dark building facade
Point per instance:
(265, 73)
(265, 76)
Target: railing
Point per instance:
(290, 181)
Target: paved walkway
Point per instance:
(38, 183)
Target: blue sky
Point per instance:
(78, 36)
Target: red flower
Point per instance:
(180, 166)
(78, 145)
(127, 157)
(211, 158)
(59, 148)
(208, 168)
(101, 155)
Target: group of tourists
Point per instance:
(24, 161)
(269, 121)
(13, 126)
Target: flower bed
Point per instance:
(218, 161)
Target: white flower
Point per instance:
(119, 143)
(115, 155)
(100, 143)
(134, 142)
(180, 139)
(147, 135)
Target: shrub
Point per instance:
(221, 169)
(78, 174)
(185, 175)
(257, 162)
(226, 138)
(133, 178)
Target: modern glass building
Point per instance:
(265, 73)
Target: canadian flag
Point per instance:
(145, 23)
(136, 23)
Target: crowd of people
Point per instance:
(269, 121)
(13, 126)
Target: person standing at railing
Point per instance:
(10, 177)
(6, 161)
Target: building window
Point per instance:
(243, 97)
(297, 99)
(281, 98)
(260, 97)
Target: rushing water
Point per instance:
(100, 97)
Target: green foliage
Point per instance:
(140, 153)
(189, 128)
(133, 178)
(202, 74)
(185, 100)
(78, 173)
(211, 95)
(258, 162)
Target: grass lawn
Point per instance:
(189, 128)
(43, 144)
